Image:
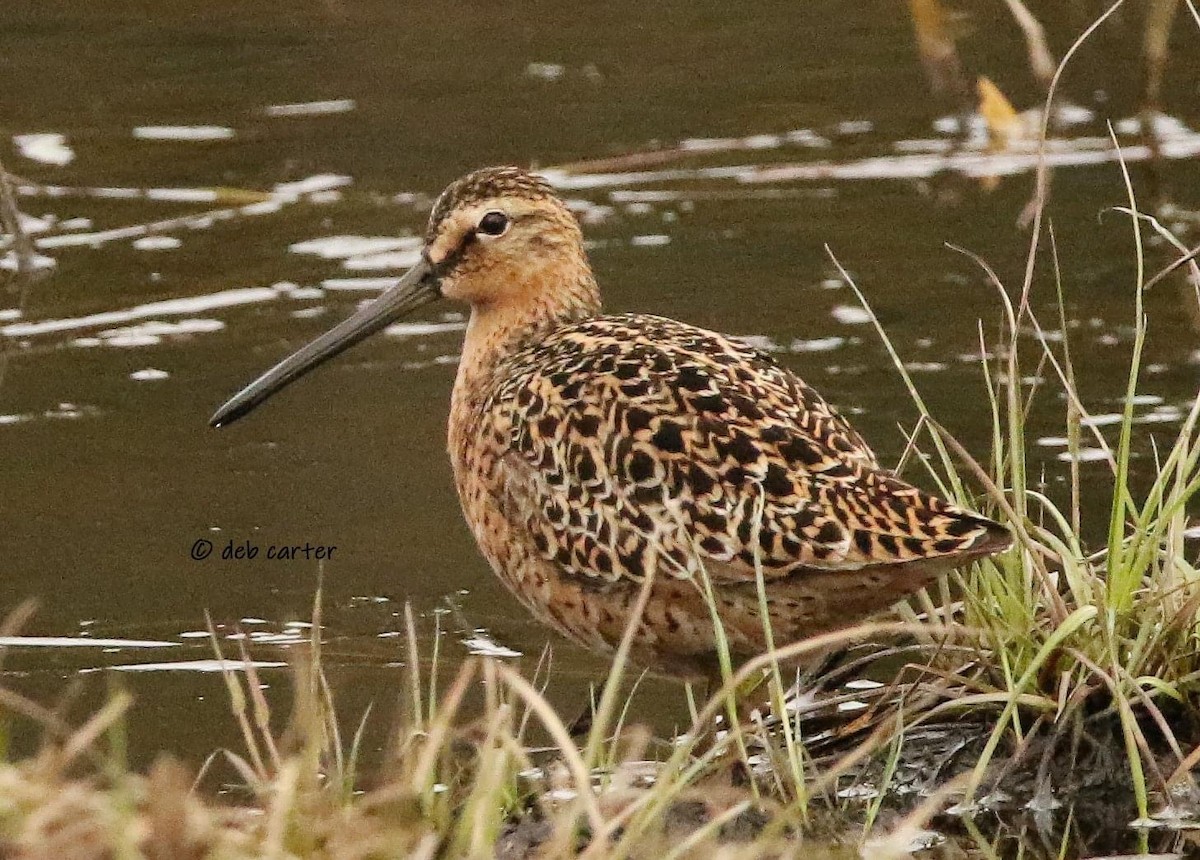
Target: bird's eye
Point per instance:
(493, 223)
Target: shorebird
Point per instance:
(593, 452)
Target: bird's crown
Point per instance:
(487, 184)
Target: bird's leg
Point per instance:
(751, 694)
(729, 764)
(581, 726)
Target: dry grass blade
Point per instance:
(84, 738)
(437, 736)
(1188, 259)
(557, 730)
(1041, 61)
(14, 621)
(237, 703)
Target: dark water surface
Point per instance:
(807, 123)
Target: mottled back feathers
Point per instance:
(636, 442)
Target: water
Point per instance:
(288, 160)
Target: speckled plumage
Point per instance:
(591, 451)
(596, 456)
(646, 437)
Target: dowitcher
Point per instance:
(592, 452)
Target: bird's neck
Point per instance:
(497, 331)
(546, 301)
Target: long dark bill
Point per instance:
(418, 287)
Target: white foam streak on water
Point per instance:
(1075, 152)
(820, 344)
(693, 195)
(934, 144)
(343, 247)
(1176, 141)
(311, 108)
(263, 207)
(1164, 414)
(728, 144)
(116, 193)
(159, 327)
(1102, 420)
(183, 132)
(1053, 441)
(295, 291)
(31, 224)
(1161, 124)
(546, 71)
(483, 645)
(48, 148)
(387, 260)
(417, 329)
(312, 185)
(1085, 455)
(193, 666)
(148, 374)
(359, 283)
(79, 642)
(584, 181)
(851, 315)
(148, 333)
(183, 195)
(195, 222)
(759, 341)
(854, 126)
(37, 262)
(654, 240)
(156, 243)
(170, 307)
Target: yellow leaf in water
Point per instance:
(1002, 118)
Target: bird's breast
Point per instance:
(478, 441)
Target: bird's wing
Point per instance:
(641, 442)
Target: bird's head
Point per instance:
(494, 234)
(498, 239)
